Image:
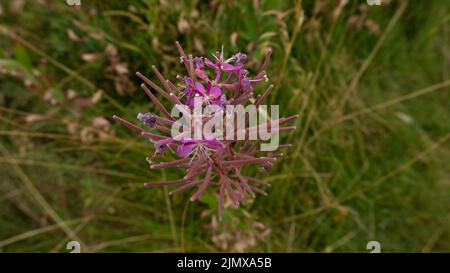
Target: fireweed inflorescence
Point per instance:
(210, 161)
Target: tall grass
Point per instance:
(370, 156)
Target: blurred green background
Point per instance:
(371, 151)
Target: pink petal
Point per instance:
(210, 64)
(188, 91)
(212, 143)
(200, 87)
(190, 102)
(201, 74)
(230, 67)
(184, 149)
(215, 92)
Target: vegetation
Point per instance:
(371, 150)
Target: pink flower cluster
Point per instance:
(209, 162)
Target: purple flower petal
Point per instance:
(188, 81)
(201, 74)
(148, 119)
(215, 92)
(190, 102)
(198, 63)
(185, 149)
(188, 91)
(240, 58)
(213, 143)
(230, 67)
(200, 88)
(162, 145)
(210, 64)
